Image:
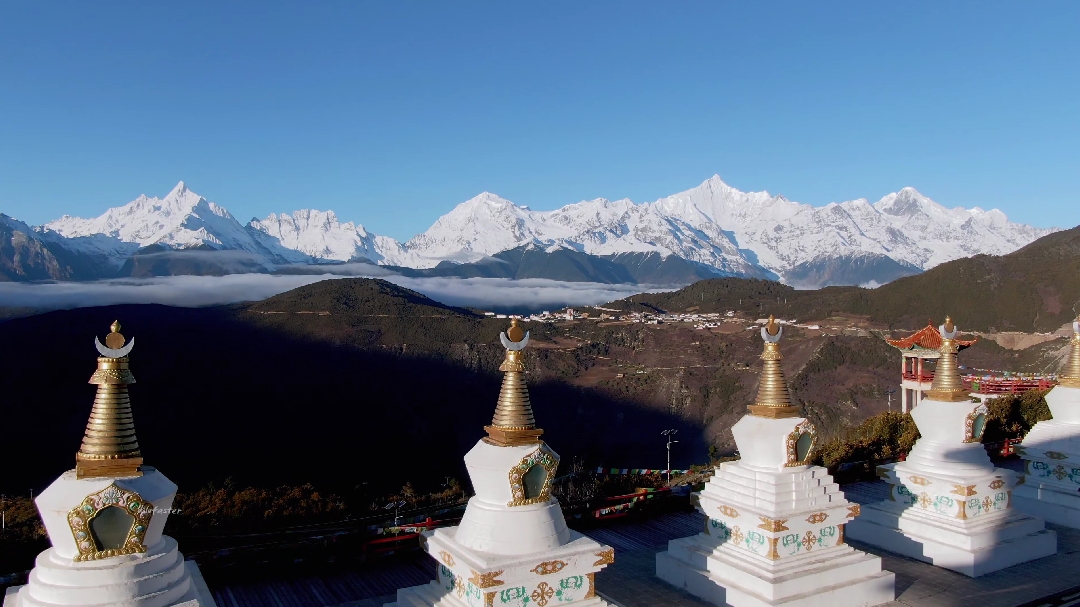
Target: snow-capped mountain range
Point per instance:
(716, 228)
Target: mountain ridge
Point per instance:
(713, 225)
(1035, 288)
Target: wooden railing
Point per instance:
(409, 539)
(996, 385)
(618, 506)
(1007, 386)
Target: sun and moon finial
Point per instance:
(114, 343)
(772, 331)
(515, 338)
(948, 330)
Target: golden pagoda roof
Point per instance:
(927, 338)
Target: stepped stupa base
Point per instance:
(722, 575)
(159, 578)
(981, 546)
(1051, 452)
(471, 578)
(1048, 503)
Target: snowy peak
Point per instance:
(319, 235)
(484, 205)
(480, 226)
(906, 202)
(178, 189)
(181, 220)
(484, 199)
(722, 204)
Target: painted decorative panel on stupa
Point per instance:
(539, 591)
(1054, 471)
(939, 497)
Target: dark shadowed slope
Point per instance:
(386, 387)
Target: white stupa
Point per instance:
(775, 528)
(948, 505)
(1051, 451)
(105, 517)
(513, 546)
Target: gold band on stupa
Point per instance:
(109, 447)
(513, 423)
(947, 386)
(1070, 375)
(773, 398)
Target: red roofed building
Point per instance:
(915, 379)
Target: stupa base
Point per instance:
(973, 549)
(1051, 453)
(434, 595)
(564, 575)
(159, 578)
(1049, 503)
(833, 577)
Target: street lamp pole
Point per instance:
(669, 434)
(889, 393)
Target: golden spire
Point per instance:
(773, 399)
(109, 447)
(1070, 375)
(513, 423)
(947, 385)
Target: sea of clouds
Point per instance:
(496, 294)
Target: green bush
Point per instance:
(883, 436)
(888, 435)
(252, 508)
(1012, 415)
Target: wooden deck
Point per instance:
(630, 581)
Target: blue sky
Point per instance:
(390, 113)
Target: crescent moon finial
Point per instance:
(772, 331)
(114, 353)
(114, 346)
(515, 338)
(947, 330)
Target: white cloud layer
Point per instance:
(194, 291)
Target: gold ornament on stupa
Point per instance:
(773, 398)
(513, 423)
(109, 447)
(947, 386)
(1070, 375)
